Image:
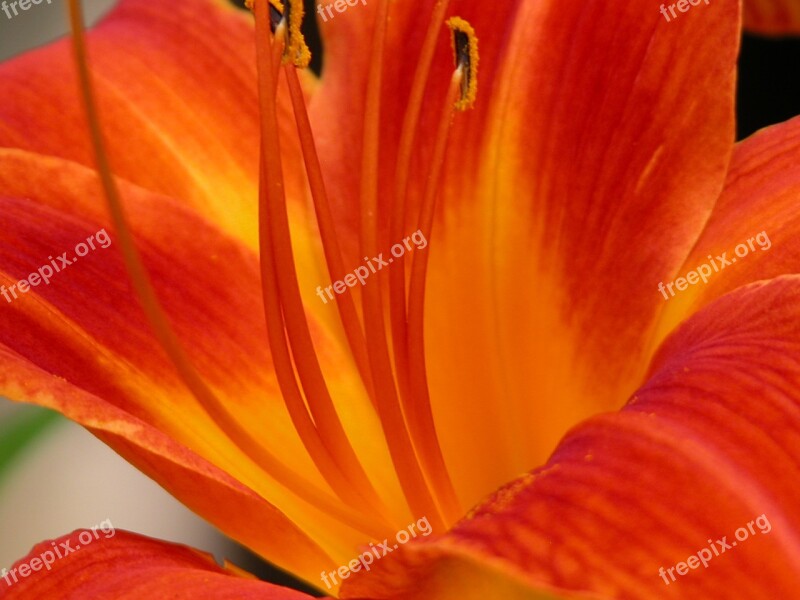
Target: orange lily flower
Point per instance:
(529, 333)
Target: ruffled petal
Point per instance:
(689, 490)
(203, 487)
(105, 564)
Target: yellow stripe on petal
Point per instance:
(166, 129)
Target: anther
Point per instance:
(465, 48)
(291, 12)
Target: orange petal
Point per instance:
(707, 450)
(772, 16)
(203, 487)
(168, 129)
(105, 564)
(170, 135)
(80, 344)
(753, 231)
(597, 148)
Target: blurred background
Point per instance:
(55, 477)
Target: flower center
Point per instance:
(394, 378)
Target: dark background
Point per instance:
(769, 83)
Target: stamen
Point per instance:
(159, 321)
(390, 413)
(292, 396)
(420, 421)
(397, 276)
(330, 240)
(275, 242)
(281, 359)
(291, 12)
(297, 51)
(418, 411)
(465, 47)
(278, 47)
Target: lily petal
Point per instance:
(225, 502)
(85, 328)
(599, 129)
(752, 233)
(126, 566)
(707, 448)
(167, 129)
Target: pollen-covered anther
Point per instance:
(465, 49)
(291, 13)
(296, 51)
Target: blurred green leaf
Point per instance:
(18, 430)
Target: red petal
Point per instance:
(203, 487)
(105, 564)
(707, 447)
(599, 129)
